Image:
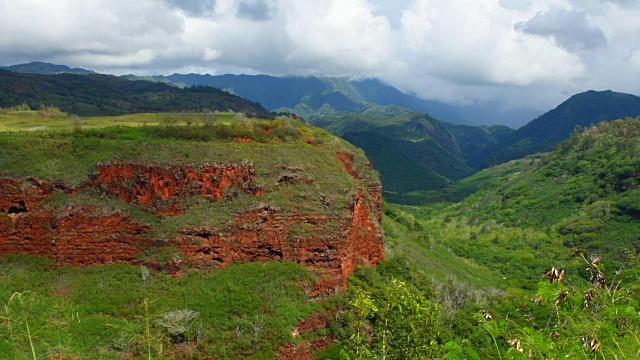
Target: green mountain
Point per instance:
(44, 68)
(555, 235)
(308, 96)
(412, 151)
(543, 133)
(96, 94)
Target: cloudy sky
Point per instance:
(519, 53)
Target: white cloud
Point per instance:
(210, 54)
(470, 43)
(339, 37)
(518, 52)
(569, 28)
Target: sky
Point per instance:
(516, 53)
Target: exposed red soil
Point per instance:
(76, 236)
(347, 160)
(82, 235)
(162, 187)
(311, 141)
(19, 196)
(304, 350)
(334, 244)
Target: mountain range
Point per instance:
(544, 132)
(307, 96)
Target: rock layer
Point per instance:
(162, 187)
(84, 235)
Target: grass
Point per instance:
(66, 315)
(32, 120)
(408, 237)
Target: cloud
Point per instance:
(469, 42)
(337, 37)
(193, 7)
(569, 28)
(531, 53)
(626, 3)
(516, 4)
(103, 29)
(258, 10)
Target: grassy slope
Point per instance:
(113, 321)
(107, 312)
(408, 240)
(71, 156)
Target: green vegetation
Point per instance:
(313, 97)
(479, 268)
(412, 151)
(94, 94)
(543, 133)
(116, 311)
(38, 67)
(122, 311)
(522, 219)
(507, 286)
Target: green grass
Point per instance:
(407, 237)
(99, 312)
(522, 217)
(109, 312)
(32, 120)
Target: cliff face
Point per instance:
(85, 235)
(331, 243)
(162, 188)
(77, 236)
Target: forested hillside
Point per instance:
(544, 132)
(311, 96)
(569, 218)
(38, 67)
(95, 94)
(412, 151)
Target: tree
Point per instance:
(76, 123)
(402, 324)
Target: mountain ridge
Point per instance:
(45, 68)
(543, 133)
(98, 94)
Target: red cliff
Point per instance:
(162, 187)
(83, 234)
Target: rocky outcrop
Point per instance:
(334, 243)
(76, 236)
(21, 196)
(303, 350)
(162, 187)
